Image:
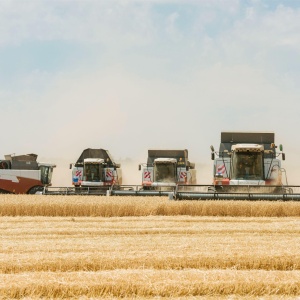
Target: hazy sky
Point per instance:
(128, 75)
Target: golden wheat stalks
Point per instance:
(37, 205)
(150, 283)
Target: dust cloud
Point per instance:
(204, 173)
(130, 172)
(62, 175)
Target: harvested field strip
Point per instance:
(154, 242)
(102, 206)
(149, 283)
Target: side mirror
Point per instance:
(212, 148)
(212, 156)
(280, 147)
(140, 167)
(283, 156)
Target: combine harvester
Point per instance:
(165, 169)
(247, 167)
(95, 172)
(24, 175)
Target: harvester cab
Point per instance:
(96, 168)
(167, 168)
(164, 170)
(93, 170)
(247, 158)
(46, 173)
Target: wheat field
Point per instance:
(117, 206)
(141, 248)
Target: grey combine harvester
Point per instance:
(166, 169)
(247, 166)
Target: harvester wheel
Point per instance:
(35, 190)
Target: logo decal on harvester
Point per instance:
(182, 175)
(221, 169)
(109, 173)
(78, 173)
(147, 174)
